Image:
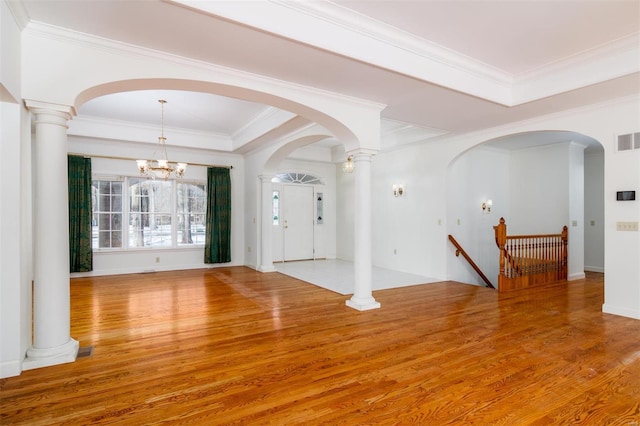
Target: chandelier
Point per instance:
(162, 167)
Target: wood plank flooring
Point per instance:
(233, 346)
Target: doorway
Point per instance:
(298, 222)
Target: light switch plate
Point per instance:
(627, 226)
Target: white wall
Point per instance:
(539, 188)
(594, 211)
(622, 248)
(409, 224)
(547, 187)
(12, 342)
(10, 57)
(477, 175)
(575, 267)
(15, 247)
(108, 262)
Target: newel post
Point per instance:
(501, 239)
(565, 240)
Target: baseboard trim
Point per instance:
(578, 276)
(599, 269)
(621, 311)
(10, 369)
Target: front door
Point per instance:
(298, 220)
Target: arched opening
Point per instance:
(298, 216)
(538, 181)
(337, 128)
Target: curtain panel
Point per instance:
(217, 247)
(80, 250)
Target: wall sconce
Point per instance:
(398, 190)
(347, 166)
(486, 206)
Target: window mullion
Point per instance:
(126, 191)
(174, 214)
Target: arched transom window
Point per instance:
(294, 177)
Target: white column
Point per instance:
(362, 298)
(266, 220)
(52, 343)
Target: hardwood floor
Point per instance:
(234, 346)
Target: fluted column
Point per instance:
(362, 298)
(52, 343)
(266, 219)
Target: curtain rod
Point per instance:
(111, 157)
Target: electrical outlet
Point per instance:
(395, 251)
(249, 249)
(157, 260)
(593, 223)
(627, 226)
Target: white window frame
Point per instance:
(126, 182)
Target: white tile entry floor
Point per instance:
(337, 275)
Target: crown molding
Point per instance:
(19, 13)
(263, 122)
(102, 128)
(605, 62)
(515, 127)
(388, 34)
(40, 29)
(336, 29)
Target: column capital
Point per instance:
(362, 152)
(38, 107)
(54, 114)
(266, 177)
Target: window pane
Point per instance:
(116, 202)
(191, 208)
(150, 218)
(276, 208)
(107, 215)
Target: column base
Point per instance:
(38, 358)
(267, 268)
(362, 304)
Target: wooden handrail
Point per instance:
(460, 250)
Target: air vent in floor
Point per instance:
(85, 352)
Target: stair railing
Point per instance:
(459, 251)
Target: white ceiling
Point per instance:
(506, 41)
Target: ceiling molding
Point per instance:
(262, 123)
(117, 48)
(329, 26)
(605, 62)
(333, 28)
(19, 12)
(388, 34)
(288, 129)
(101, 128)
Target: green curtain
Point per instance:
(217, 246)
(80, 251)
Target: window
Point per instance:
(158, 213)
(192, 210)
(150, 213)
(276, 208)
(293, 177)
(107, 214)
